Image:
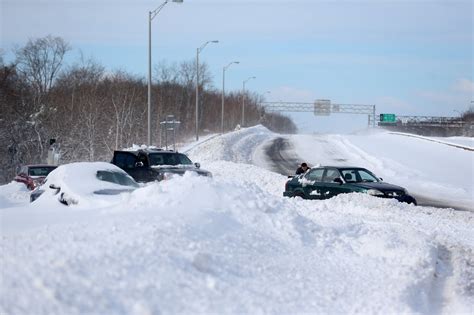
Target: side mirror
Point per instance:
(338, 180)
(139, 164)
(57, 188)
(197, 165)
(381, 179)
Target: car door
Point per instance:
(128, 162)
(311, 183)
(330, 188)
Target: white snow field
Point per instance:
(232, 244)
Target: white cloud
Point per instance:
(464, 86)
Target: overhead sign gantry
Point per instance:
(322, 108)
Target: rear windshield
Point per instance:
(40, 170)
(116, 178)
(169, 159)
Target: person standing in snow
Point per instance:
(302, 169)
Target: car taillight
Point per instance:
(287, 185)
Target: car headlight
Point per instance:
(374, 192)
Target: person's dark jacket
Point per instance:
(300, 170)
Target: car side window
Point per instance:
(350, 176)
(116, 178)
(366, 177)
(156, 159)
(125, 160)
(171, 159)
(331, 175)
(315, 175)
(183, 159)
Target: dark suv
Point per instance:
(147, 165)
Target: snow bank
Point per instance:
(13, 194)
(232, 244)
(239, 146)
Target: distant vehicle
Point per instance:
(147, 165)
(328, 181)
(33, 175)
(84, 182)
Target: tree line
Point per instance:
(91, 111)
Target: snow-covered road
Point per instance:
(232, 244)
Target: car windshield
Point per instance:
(40, 170)
(116, 178)
(169, 159)
(357, 175)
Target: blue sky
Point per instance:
(406, 57)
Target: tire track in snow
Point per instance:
(452, 279)
(282, 158)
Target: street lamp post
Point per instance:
(243, 99)
(151, 16)
(198, 50)
(223, 93)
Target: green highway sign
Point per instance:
(389, 118)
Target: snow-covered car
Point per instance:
(33, 175)
(84, 182)
(152, 164)
(328, 181)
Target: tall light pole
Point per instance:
(198, 50)
(151, 16)
(223, 93)
(243, 100)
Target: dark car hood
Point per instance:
(181, 169)
(377, 185)
(113, 191)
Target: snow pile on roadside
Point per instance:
(13, 194)
(225, 245)
(270, 182)
(232, 244)
(238, 146)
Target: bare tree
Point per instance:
(40, 61)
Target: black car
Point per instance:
(328, 181)
(147, 165)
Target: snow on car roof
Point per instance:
(79, 179)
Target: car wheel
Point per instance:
(411, 201)
(298, 195)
